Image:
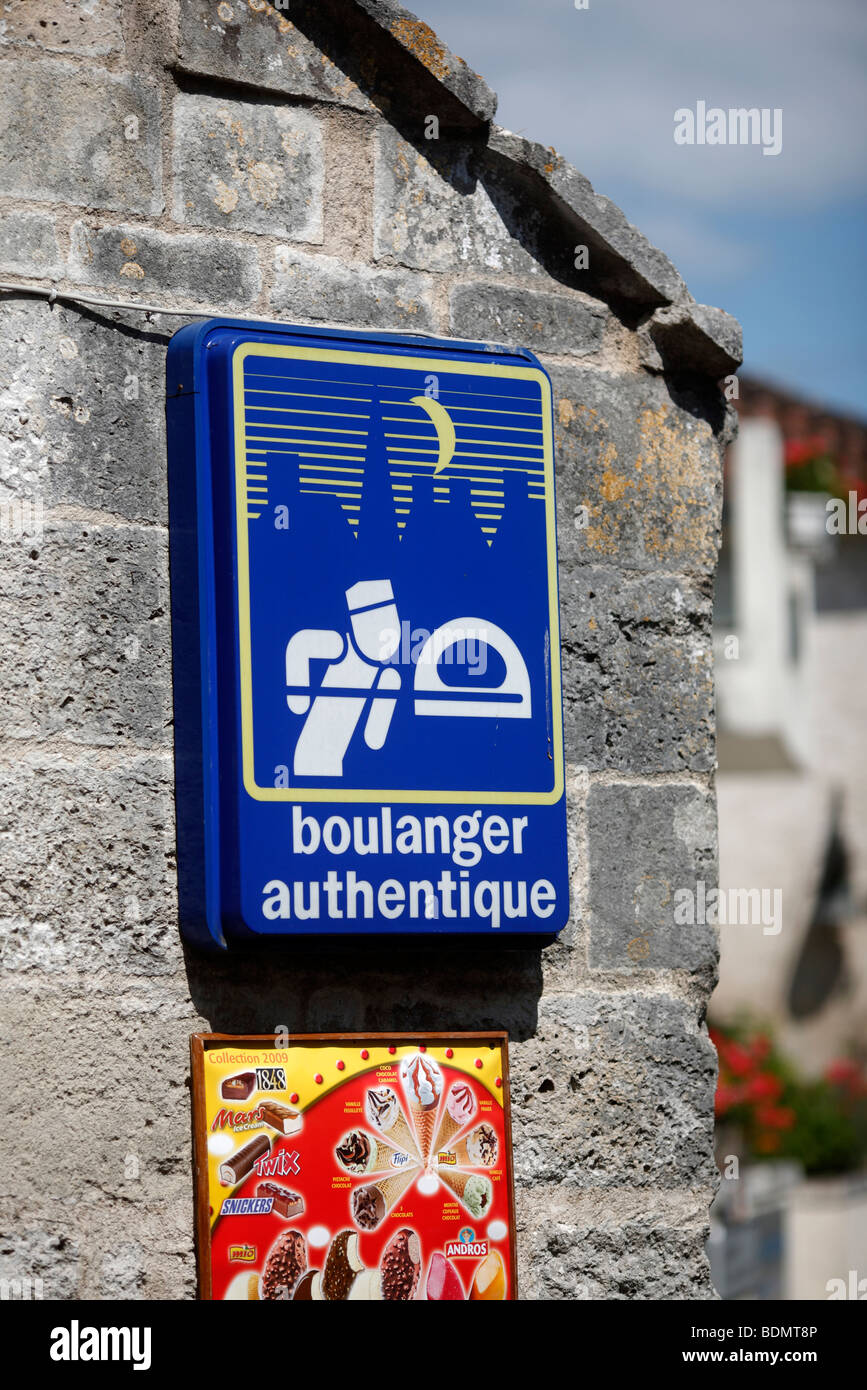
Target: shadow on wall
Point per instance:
(378, 987)
(398, 80)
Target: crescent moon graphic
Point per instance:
(442, 423)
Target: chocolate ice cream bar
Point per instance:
(400, 1267)
(239, 1087)
(283, 1202)
(240, 1164)
(281, 1117)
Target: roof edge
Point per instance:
(418, 40)
(687, 336)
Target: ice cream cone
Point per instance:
(392, 1189)
(459, 1153)
(423, 1088)
(472, 1190)
(371, 1202)
(477, 1149)
(447, 1130)
(388, 1122)
(382, 1160)
(456, 1181)
(424, 1118)
(401, 1136)
(362, 1153)
(460, 1109)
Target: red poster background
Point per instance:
(239, 1244)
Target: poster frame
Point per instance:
(200, 1043)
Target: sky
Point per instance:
(778, 241)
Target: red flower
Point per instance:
(843, 1072)
(775, 1116)
(800, 451)
(738, 1059)
(764, 1087)
(761, 1046)
(726, 1098)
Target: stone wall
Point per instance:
(218, 157)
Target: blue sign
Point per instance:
(368, 720)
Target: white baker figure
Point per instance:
(357, 664)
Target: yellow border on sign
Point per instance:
(431, 364)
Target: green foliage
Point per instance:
(824, 1137)
(819, 474)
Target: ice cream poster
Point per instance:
(345, 1168)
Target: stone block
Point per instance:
(120, 1202)
(613, 1089)
(325, 288)
(621, 258)
(697, 338)
(421, 44)
(646, 844)
(560, 323)
(89, 882)
(249, 167)
(433, 210)
(562, 960)
(85, 635)
(80, 136)
(638, 682)
(255, 43)
(87, 28)
(564, 1261)
(37, 1263)
(639, 480)
(28, 245)
(207, 271)
(315, 989)
(82, 419)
